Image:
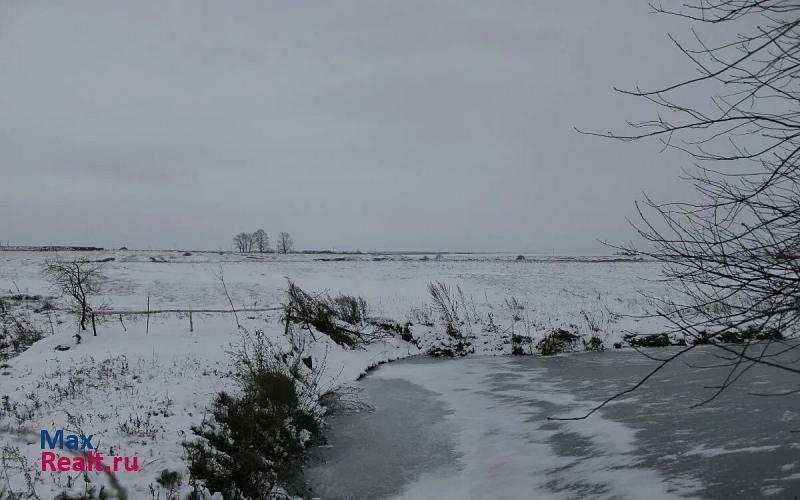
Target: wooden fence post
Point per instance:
(147, 328)
(191, 325)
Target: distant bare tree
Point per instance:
(285, 243)
(78, 280)
(261, 241)
(733, 255)
(239, 242)
(243, 242)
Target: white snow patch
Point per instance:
(715, 451)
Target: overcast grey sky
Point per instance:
(437, 125)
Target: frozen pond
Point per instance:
(477, 428)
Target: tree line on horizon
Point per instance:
(258, 241)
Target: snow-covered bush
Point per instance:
(253, 445)
(656, 340)
(558, 341)
(456, 314)
(521, 345)
(446, 301)
(594, 343)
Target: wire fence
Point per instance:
(188, 311)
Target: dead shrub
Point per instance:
(750, 333)
(657, 340)
(17, 330)
(594, 344)
(168, 483)
(515, 308)
(350, 309)
(455, 312)
(446, 302)
(521, 345)
(342, 318)
(559, 340)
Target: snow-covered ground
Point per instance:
(139, 393)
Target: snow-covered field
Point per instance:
(140, 392)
